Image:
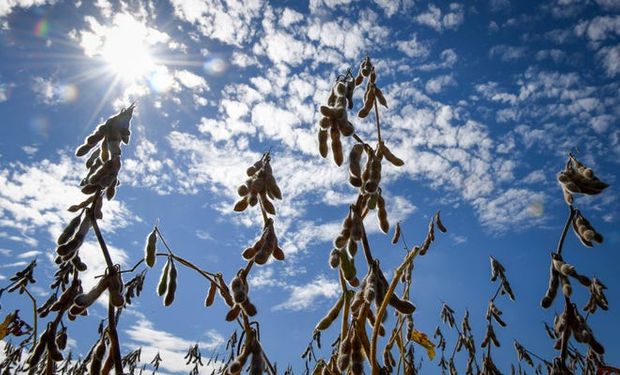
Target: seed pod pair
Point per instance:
(344, 351)
(371, 176)
(237, 365)
(577, 178)
(260, 186)
(167, 285)
(489, 337)
(266, 246)
(257, 364)
(66, 298)
(84, 300)
(583, 332)
(69, 249)
(239, 287)
(597, 297)
(585, 231)
(98, 355)
(495, 313)
(69, 230)
(447, 314)
(389, 156)
(150, 248)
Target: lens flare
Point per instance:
(41, 29)
(40, 126)
(215, 66)
(536, 209)
(68, 93)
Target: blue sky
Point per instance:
(486, 100)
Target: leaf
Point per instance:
(4, 327)
(423, 340)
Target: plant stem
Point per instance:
(34, 313)
(565, 230)
(345, 310)
(115, 346)
(375, 329)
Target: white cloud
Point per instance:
(7, 6)
(599, 28)
(510, 208)
(437, 84)
(303, 297)
(507, 53)
(51, 92)
(610, 59)
(171, 348)
(440, 21)
(231, 22)
(36, 196)
(413, 48)
(192, 81)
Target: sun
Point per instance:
(125, 49)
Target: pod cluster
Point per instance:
(577, 178)
(335, 122)
(372, 94)
(498, 271)
(350, 355)
(239, 288)
(71, 239)
(104, 162)
(585, 231)
(50, 341)
(571, 322)
(265, 247)
(559, 273)
(111, 282)
(251, 350)
(260, 186)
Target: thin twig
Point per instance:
(34, 313)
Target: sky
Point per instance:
(486, 100)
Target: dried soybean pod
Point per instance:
(278, 253)
(355, 170)
(242, 204)
(440, 225)
(336, 146)
(403, 306)
(267, 205)
(380, 97)
(52, 348)
(37, 351)
(224, 291)
(150, 248)
(348, 266)
(61, 339)
(97, 358)
(233, 313)
(323, 142)
(69, 230)
(211, 295)
(85, 300)
(396, 234)
(172, 285)
(382, 215)
(163, 279)
(385, 151)
(115, 288)
(328, 319)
